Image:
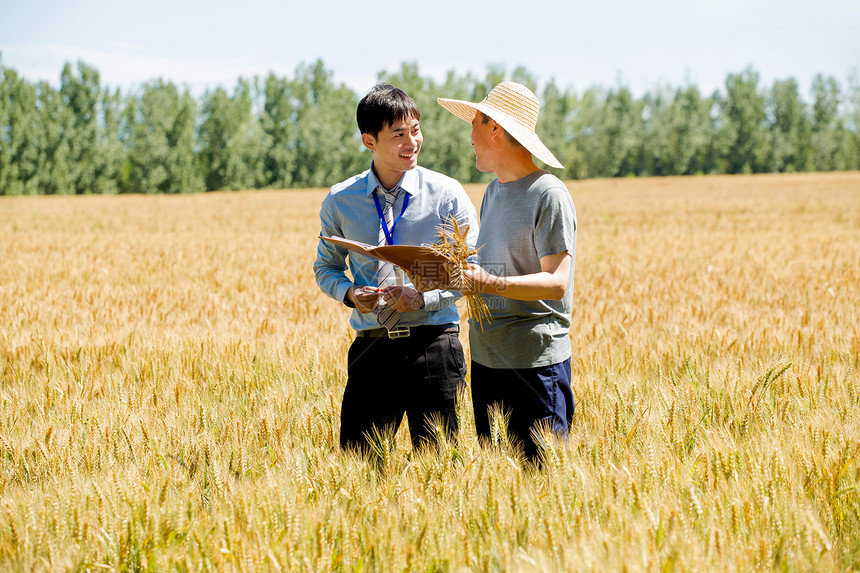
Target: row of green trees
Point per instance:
(282, 132)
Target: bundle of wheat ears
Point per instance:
(453, 246)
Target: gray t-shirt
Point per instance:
(521, 222)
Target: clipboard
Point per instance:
(407, 257)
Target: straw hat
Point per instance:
(515, 108)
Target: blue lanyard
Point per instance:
(389, 235)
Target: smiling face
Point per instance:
(395, 150)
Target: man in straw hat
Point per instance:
(527, 246)
(406, 357)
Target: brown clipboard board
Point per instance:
(407, 257)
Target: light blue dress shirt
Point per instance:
(349, 211)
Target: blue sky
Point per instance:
(580, 43)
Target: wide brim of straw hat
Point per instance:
(519, 122)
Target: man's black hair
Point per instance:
(384, 105)
(485, 119)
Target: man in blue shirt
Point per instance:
(406, 357)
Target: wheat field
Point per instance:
(171, 376)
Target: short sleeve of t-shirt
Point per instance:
(553, 223)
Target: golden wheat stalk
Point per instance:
(452, 245)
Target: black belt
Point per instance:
(406, 331)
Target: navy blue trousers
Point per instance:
(419, 376)
(532, 397)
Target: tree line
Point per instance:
(290, 132)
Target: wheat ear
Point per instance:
(452, 245)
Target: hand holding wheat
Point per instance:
(452, 245)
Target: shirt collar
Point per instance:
(410, 181)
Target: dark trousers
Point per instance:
(420, 376)
(532, 397)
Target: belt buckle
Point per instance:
(399, 332)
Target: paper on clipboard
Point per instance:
(407, 257)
